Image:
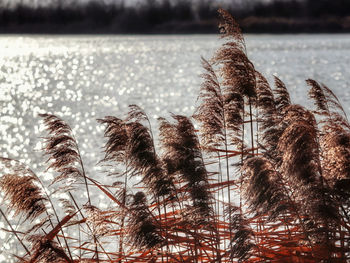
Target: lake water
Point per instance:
(81, 78)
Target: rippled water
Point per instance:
(87, 77)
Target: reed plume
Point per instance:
(97, 221)
(63, 152)
(302, 170)
(239, 81)
(324, 98)
(211, 112)
(291, 194)
(335, 137)
(143, 159)
(282, 99)
(24, 196)
(143, 230)
(229, 28)
(265, 103)
(269, 121)
(300, 147)
(117, 139)
(183, 156)
(242, 245)
(237, 70)
(46, 251)
(262, 188)
(132, 142)
(336, 157)
(21, 188)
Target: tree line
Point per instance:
(168, 16)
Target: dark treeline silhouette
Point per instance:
(307, 8)
(180, 16)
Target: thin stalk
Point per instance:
(96, 250)
(177, 233)
(242, 159)
(160, 225)
(121, 252)
(14, 232)
(296, 213)
(287, 226)
(57, 238)
(195, 247)
(177, 200)
(79, 234)
(50, 245)
(182, 206)
(342, 243)
(88, 194)
(121, 237)
(166, 230)
(222, 193)
(228, 178)
(218, 241)
(81, 214)
(89, 199)
(257, 129)
(54, 210)
(157, 197)
(227, 167)
(260, 225)
(84, 174)
(251, 125)
(56, 215)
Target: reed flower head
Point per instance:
(143, 231)
(23, 194)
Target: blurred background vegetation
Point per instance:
(176, 16)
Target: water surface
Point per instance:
(81, 78)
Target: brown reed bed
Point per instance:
(262, 180)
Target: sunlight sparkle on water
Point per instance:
(82, 78)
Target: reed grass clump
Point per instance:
(262, 180)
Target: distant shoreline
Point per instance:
(254, 25)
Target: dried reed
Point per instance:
(285, 197)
